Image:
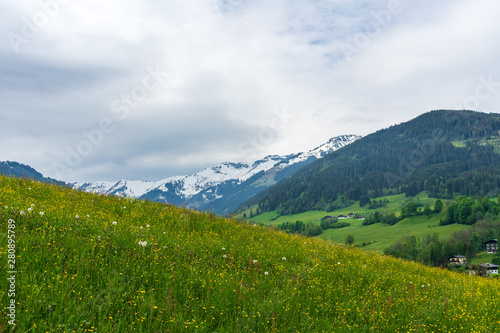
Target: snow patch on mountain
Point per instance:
(185, 187)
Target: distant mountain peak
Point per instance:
(218, 182)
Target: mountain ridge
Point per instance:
(221, 188)
(19, 170)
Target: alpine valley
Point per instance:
(221, 188)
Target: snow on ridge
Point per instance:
(190, 185)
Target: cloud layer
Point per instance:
(147, 90)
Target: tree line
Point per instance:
(432, 250)
(312, 229)
(416, 156)
(482, 213)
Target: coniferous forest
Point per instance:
(445, 153)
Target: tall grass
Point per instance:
(161, 268)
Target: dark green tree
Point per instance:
(364, 200)
(427, 210)
(438, 206)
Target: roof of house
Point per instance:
(342, 216)
(494, 240)
(489, 266)
(458, 256)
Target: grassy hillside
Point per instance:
(379, 236)
(394, 204)
(165, 269)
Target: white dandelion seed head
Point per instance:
(41, 213)
(29, 209)
(22, 212)
(223, 249)
(266, 273)
(284, 258)
(338, 263)
(141, 227)
(224, 256)
(76, 216)
(254, 261)
(114, 223)
(147, 225)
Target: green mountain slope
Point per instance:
(94, 263)
(19, 170)
(444, 153)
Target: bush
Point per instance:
(339, 225)
(313, 230)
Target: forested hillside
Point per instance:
(445, 153)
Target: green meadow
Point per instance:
(378, 236)
(382, 235)
(94, 263)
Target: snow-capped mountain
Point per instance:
(221, 188)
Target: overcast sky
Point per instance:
(104, 90)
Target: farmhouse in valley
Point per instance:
(458, 260)
(483, 269)
(491, 246)
(490, 268)
(342, 217)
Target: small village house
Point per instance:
(490, 268)
(483, 269)
(491, 246)
(351, 215)
(458, 260)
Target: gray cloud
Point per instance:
(227, 68)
